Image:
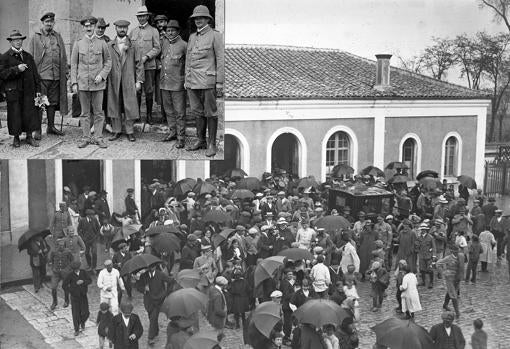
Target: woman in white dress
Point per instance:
(410, 297)
(488, 243)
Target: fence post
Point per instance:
(485, 179)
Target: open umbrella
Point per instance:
(430, 183)
(467, 181)
(184, 186)
(138, 262)
(402, 334)
(159, 229)
(396, 165)
(118, 238)
(296, 253)
(202, 340)
(217, 217)
(267, 267)
(333, 223)
(265, 316)
(307, 182)
(372, 171)
(184, 302)
(398, 179)
(188, 278)
(320, 312)
(250, 183)
(204, 187)
(166, 243)
(129, 229)
(235, 172)
(217, 239)
(24, 239)
(242, 194)
(341, 170)
(427, 173)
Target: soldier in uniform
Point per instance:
(173, 56)
(60, 263)
(48, 50)
(101, 26)
(60, 222)
(131, 207)
(205, 72)
(146, 39)
(426, 249)
(452, 267)
(90, 66)
(161, 24)
(74, 243)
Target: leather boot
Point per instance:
(50, 114)
(37, 135)
(148, 106)
(54, 296)
(31, 140)
(431, 277)
(201, 130)
(139, 101)
(17, 142)
(212, 127)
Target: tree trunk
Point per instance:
(500, 131)
(493, 120)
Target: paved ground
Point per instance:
(488, 299)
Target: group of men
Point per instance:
(111, 75)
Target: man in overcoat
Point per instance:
(88, 228)
(47, 48)
(131, 207)
(38, 251)
(452, 267)
(446, 335)
(426, 248)
(146, 39)
(126, 328)
(217, 305)
(127, 71)
(173, 56)
(90, 65)
(21, 84)
(77, 283)
(204, 76)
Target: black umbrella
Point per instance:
(235, 173)
(373, 171)
(427, 173)
(204, 187)
(342, 170)
(166, 243)
(396, 165)
(138, 262)
(184, 186)
(467, 181)
(217, 239)
(24, 239)
(242, 194)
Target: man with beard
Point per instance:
(127, 71)
(205, 72)
(90, 65)
(47, 48)
(173, 56)
(77, 283)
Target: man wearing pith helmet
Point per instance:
(205, 72)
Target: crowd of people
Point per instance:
(226, 233)
(109, 76)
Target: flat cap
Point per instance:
(92, 193)
(121, 23)
(160, 18)
(88, 20)
(47, 15)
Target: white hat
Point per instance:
(281, 193)
(142, 10)
(307, 190)
(265, 228)
(389, 217)
(281, 220)
(259, 195)
(276, 294)
(66, 188)
(424, 226)
(442, 200)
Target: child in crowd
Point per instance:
(330, 339)
(479, 337)
(103, 322)
(379, 280)
(351, 273)
(277, 340)
(350, 291)
(107, 231)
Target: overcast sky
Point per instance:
(362, 27)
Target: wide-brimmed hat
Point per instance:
(160, 18)
(102, 23)
(142, 11)
(47, 15)
(89, 20)
(201, 11)
(16, 34)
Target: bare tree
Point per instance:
(471, 57)
(439, 57)
(413, 64)
(501, 9)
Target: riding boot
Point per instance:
(50, 114)
(148, 105)
(212, 127)
(201, 130)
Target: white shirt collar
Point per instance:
(126, 321)
(15, 50)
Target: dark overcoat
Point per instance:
(119, 334)
(20, 86)
(127, 69)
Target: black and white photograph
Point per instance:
(112, 79)
(340, 181)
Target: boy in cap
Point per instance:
(47, 48)
(89, 71)
(77, 283)
(217, 306)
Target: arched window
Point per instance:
(451, 157)
(409, 156)
(338, 150)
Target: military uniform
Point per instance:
(59, 224)
(426, 249)
(60, 262)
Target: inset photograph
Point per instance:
(112, 79)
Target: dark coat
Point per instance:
(240, 292)
(119, 333)
(439, 336)
(264, 209)
(131, 207)
(76, 290)
(188, 256)
(104, 322)
(299, 298)
(263, 246)
(310, 339)
(157, 288)
(216, 308)
(102, 209)
(89, 231)
(287, 291)
(20, 89)
(118, 260)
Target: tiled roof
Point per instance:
(281, 72)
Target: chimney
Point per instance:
(382, 74)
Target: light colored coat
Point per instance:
(127, 69)
(90, 58)
(173, 57)
(410, 296)
(487, 240)
(146, 40)
(349, 256)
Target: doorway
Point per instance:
(285, 154)
(78, 173)
(232, 157)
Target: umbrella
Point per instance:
(202, 340)
(265, 316)
(118, 238)
(235, 172)
(129, 229)
(467, 181)
(427, 173)
(398, 179)
(138, 262)
(296, 253)
(166, 243)
(250, 183)
(307, 182)
(184, 302)
(402, 334)
(341, 170)
(217, 239)
(266, 268)
(217, 217)
(158, 229)
(396, 165)
(184, 186)
(242, 194)
(204, 187)
(320, 312)
(430, 183)
(333, 223)
(28, 235)
(188, 278)
(373, 171)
